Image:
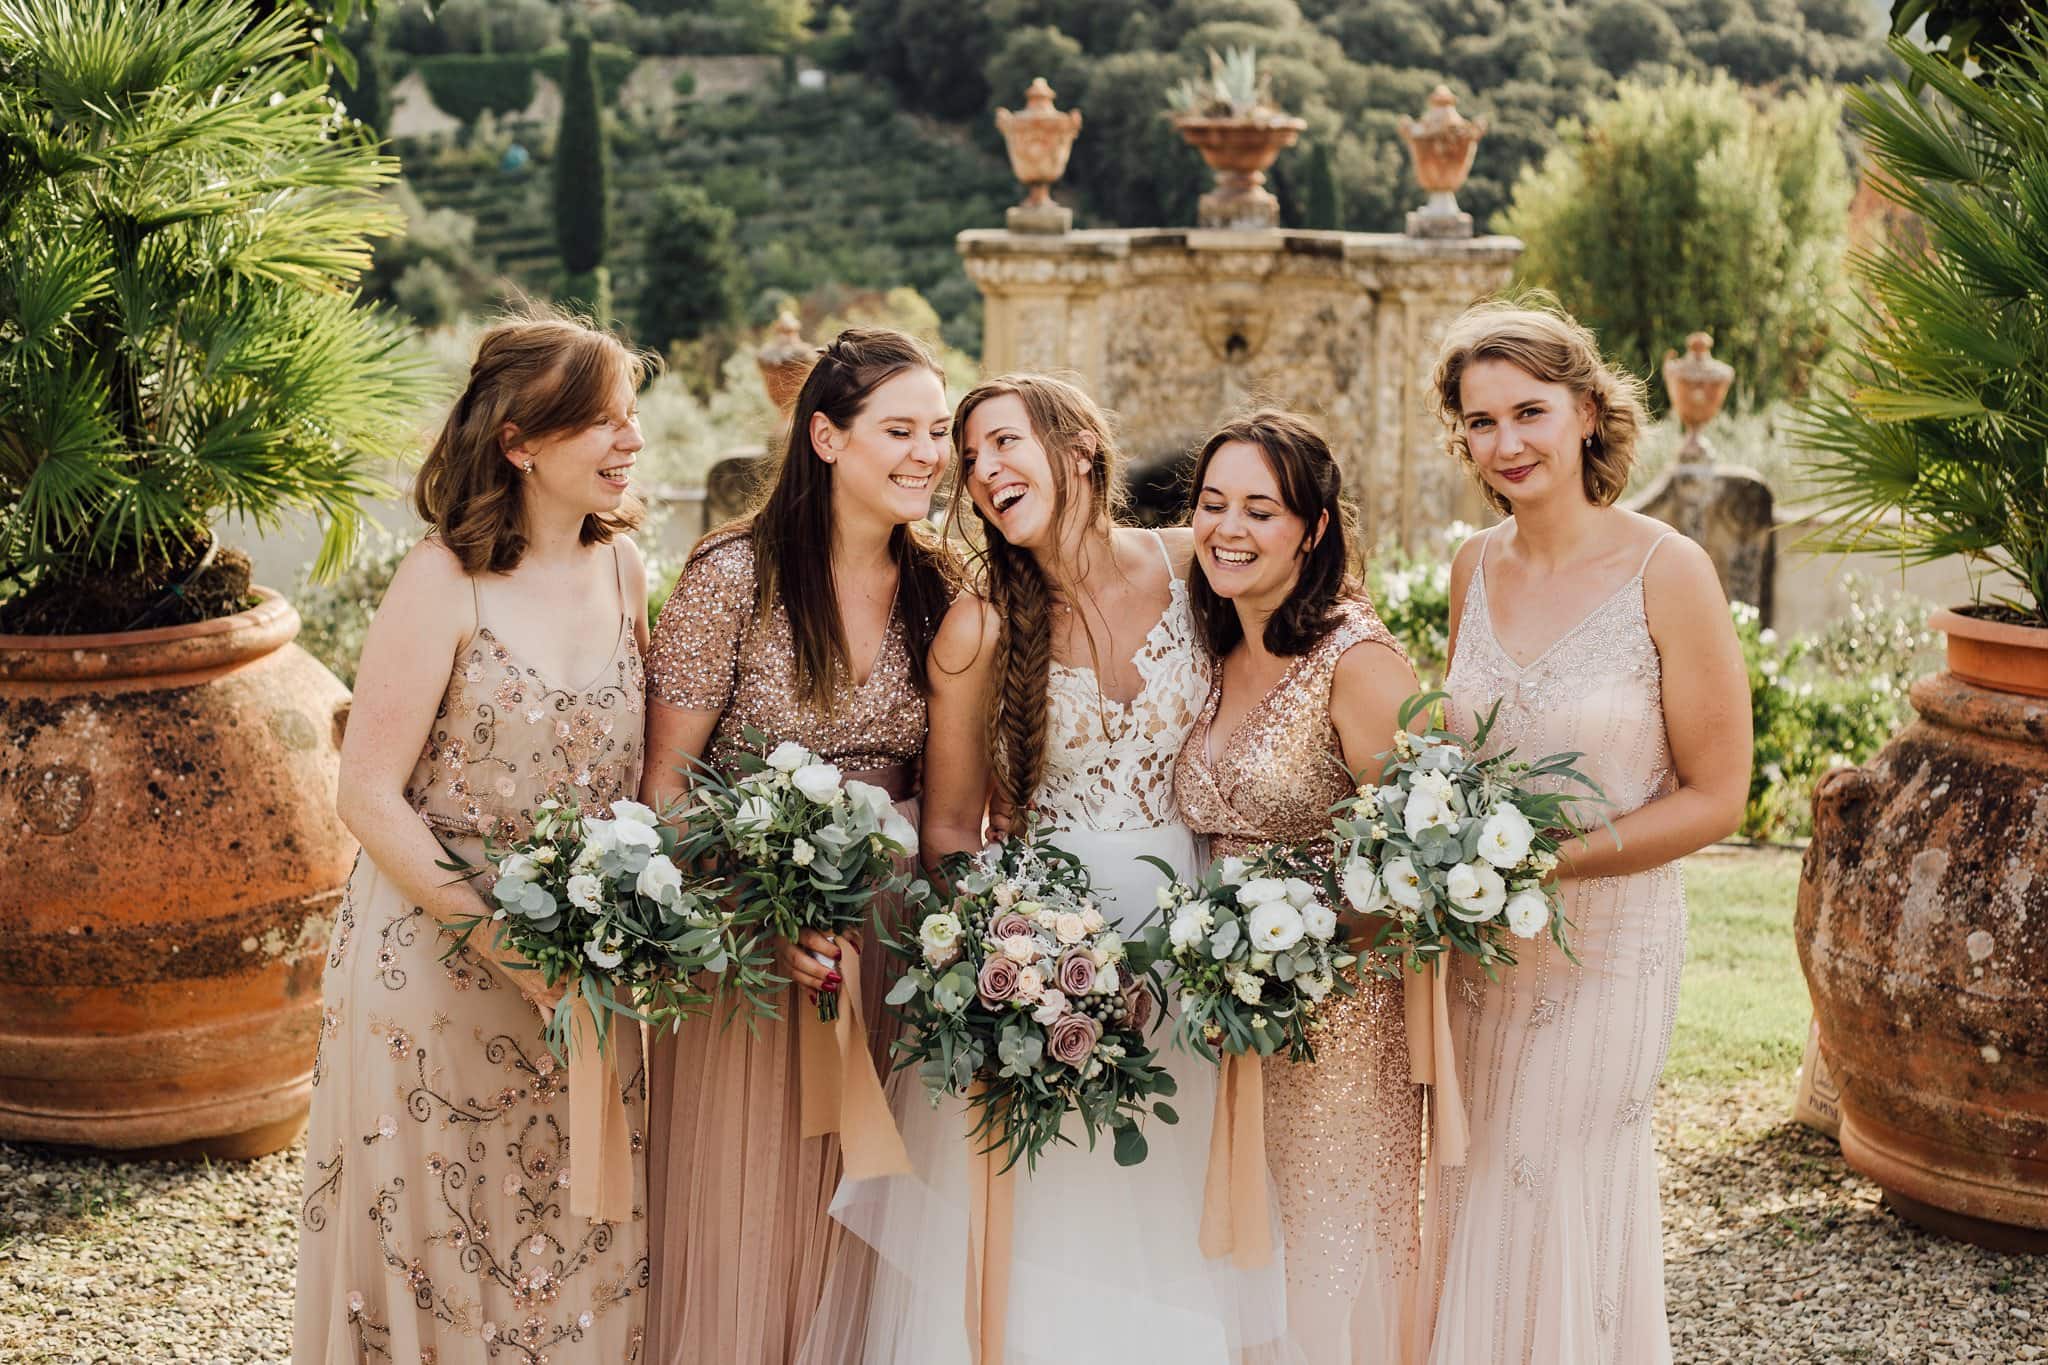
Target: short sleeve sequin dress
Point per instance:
(1552, 1249)
(1344, 1135)
(435, 1225)
(741, 1243)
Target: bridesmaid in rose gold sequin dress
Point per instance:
(1272, 751)
(742, 1250)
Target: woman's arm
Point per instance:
(957, 772)
(1463, 565)
(1366, 693)
(635, 569)
(1706, 715)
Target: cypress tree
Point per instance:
(1324, 210)
(581, 165)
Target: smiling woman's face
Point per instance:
(1009, 474)
(1526, 436)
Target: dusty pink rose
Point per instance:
(1071, 1038)
(1077, 972)
(998, 980)
(1010, 924)
(1138, 1004)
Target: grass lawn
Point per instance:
(1743, 1007)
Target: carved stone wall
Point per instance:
(1173, 329)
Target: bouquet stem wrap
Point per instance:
(1234, 1217)
(1426, 1002)
(599, 1139)
(991, 1207)
(840, 1092)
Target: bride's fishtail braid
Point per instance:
(1023, 663)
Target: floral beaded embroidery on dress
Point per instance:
(1548, 1244)
(435, 1224)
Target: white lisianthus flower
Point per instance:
(1528, 913)
(1504, 837)
(1106, 980)
(1069, 929)
(1051, 1005)
(1435, 785)
(1261, 890)
(1477, 892)
(1247, 987)
(1299, 893)
(755, 816)
(1275, 926)
(603, 955)
(900, 832)
(1424, 811)
(584, 891)
(633, 813)
(659, 881)
(1109, 947)
(1320, 921)
(803, 853)
(1361, 883)
(819, 782)
(939, 936)
(518, 867)
(788, 756)
(1189, 926)
(870, 798)
(1403, 883)
(1231, 871)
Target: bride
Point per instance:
(1066, 687)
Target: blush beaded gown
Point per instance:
(1548, 1240)
(1343, 1135)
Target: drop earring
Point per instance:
(528, 466)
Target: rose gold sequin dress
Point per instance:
(1343, 1136)
(1552, 1252)
(742, 1248)
(435, 1225)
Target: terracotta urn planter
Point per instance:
(785, 361)
(1923, 931)
(1697, 385)
(1240, 151)
(1039, 139)
(1442, 143)
(170, 865)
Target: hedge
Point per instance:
(466, 85)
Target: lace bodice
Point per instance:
(1598, 690)
(1109, 765)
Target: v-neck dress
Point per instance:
(742, 1247)
(1344, 1135)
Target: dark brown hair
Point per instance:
(1311, 486)
(1063, 419)
(1550, 346)
(544, 373)
(790, 526)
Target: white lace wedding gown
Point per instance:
(1105, 1265)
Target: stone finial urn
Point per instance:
(1240, 149)
(1697, 385)
(1443, 143)
(1039, 140)
(785, 360)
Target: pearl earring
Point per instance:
(528, 466)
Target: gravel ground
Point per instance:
(1775, 1252)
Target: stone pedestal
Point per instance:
(1173, 329)
(1729, 511)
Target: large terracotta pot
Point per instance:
(1923, 930)
(1239, 151)
(170, 867)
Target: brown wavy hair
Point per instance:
(1010, 579)
(1549, 345)
(790, 525)
(545, 373)
(1311, 486)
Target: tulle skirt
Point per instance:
(1105, 1265)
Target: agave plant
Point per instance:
(1935, 443)
(183, 218)
(1234, 88)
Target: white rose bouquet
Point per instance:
(1453, 849)
(1255, 948)
(801, 846)
(598, 903)
(1021, 997)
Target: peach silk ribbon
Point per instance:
(840, 1092)
(1234, 1217)
(1426, 1003)
(991, 1208)
(599, 1140)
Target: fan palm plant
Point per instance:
(1936, 441)
(183, 218)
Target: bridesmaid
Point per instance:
(1603, 632)
(502, 668)
(809, 620)
(1307, 690)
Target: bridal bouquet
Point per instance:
(802, 846)
(600, 904)
(1255, 949)
(1021, 997)
(1454, 849)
